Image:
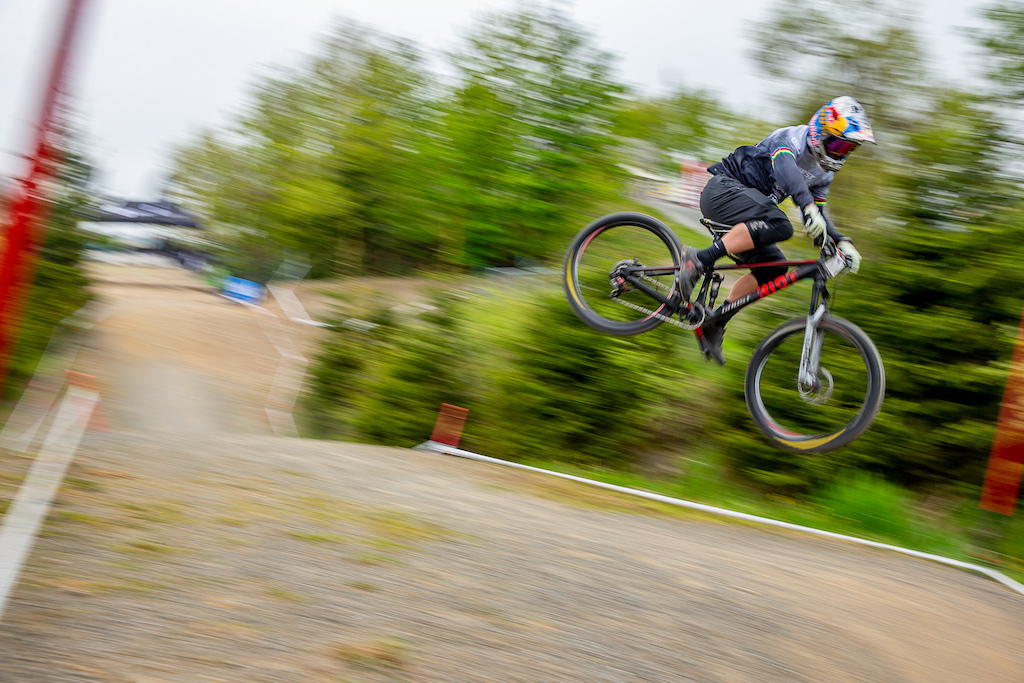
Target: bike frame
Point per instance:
(818, 269)
(809, 268)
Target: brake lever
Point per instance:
(829, 248)
(834, 260)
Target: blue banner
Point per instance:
(242, 290)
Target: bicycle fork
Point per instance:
(808, 383)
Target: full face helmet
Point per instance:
(837, 129)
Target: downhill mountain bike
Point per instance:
(813, 384)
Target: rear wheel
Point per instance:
(609, 265)
(837, 409)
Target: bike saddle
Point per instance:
(717, 229)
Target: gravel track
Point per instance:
(190, 545)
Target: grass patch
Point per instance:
(401, 526)
(139, 545)
(870, 504)
(232, 521)
(386, 544)
(83, 484)
(374, 558)
(284, 594)
(383, 654)
(74, 517)
(136, 586)
(317, 538)
(295, 473)
(857, 505)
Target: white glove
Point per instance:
(847, 249)
(814, 222)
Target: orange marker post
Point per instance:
(1006, 462)
(20, 241)
(448, 428)
(85, 394)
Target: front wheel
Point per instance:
(611, 263)
(840, 407)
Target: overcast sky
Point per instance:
(149, 73)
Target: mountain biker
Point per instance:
(748, 185)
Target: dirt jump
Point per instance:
(189, 543)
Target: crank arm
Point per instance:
(639, 284)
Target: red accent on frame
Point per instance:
(766, 264)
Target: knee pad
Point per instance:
(783, 229)
(764, 232)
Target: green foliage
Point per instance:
(577, 393)
(336, 382)
(1003, 41)
(382, 382)
(875, 506)
(951, 285)
(361, 160)
(323, 162)
(691, 122)
(538, 382)
(414, 375)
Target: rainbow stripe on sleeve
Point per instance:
(783, 150)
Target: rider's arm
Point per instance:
(789, 177)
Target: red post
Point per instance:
(448, 428)
(1006, 462)
(28, 208)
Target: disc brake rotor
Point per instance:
(820, 394)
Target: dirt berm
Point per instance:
(190, 544)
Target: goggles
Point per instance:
(837, 148)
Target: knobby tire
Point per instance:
(834, 438)
(583, 299)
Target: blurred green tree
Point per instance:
(360, 159)
(691, 122)
(1003, 42)
(325, 160)
(575, 394)
(820, 50)
(526, 127)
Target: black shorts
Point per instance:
(726, 200)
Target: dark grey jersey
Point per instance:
(797, 172)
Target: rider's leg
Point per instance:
(745, 285)
(738, 240)
(757, 222)
(710, 335)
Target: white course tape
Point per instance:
(291, 373)
(443, 449)
(291, 305)
(23, 518)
